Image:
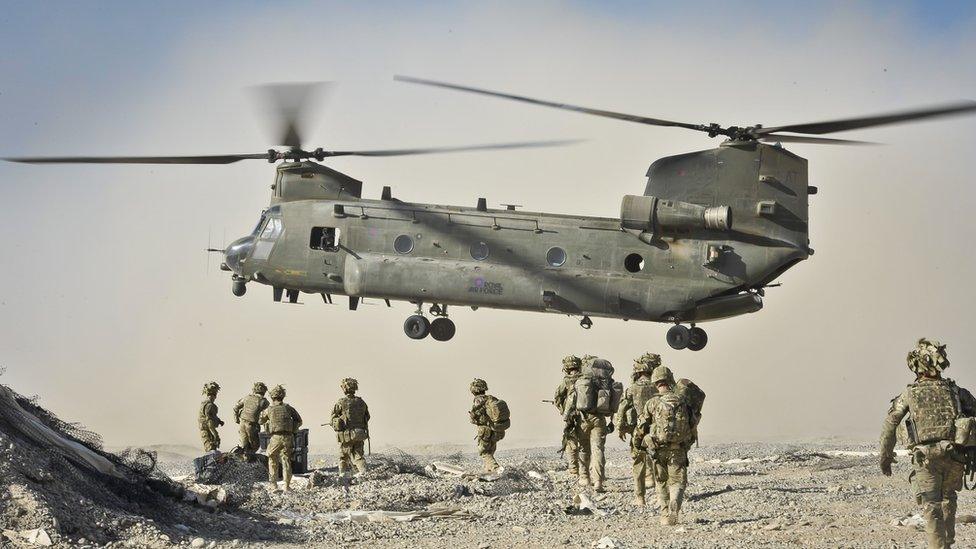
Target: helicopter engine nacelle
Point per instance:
(652, 213)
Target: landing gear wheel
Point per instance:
(416, 327)
(238, 288)
(442, 329)
(697, 339)
(678, 337)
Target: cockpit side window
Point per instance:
(272, 229)
(324, 238)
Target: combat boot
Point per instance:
(674, 506)
(639, 500)
(598, 486)
(584, 480)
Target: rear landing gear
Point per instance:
(681, 337)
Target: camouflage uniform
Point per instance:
(208, 418)
(591, 432)
(932, 405)
(283, 422)
(487, 437)
(571, 432)
(669, 461)
(631, 406)
(247, 411)
(348, 414)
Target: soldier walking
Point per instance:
(571, 433)
(667, 426)
(932, 404)
(247, 411)
(592, 403)
(208, 418)
(491, 416)
(631, 405)
(350, 420)
(283, 422)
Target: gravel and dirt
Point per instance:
(816, 494)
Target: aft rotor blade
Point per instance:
(432, 150)
(212, 159)
(831, 126)
(564, 106)
(777, 138)
(289, 107)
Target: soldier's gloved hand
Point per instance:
(886, 465)
(622, 435)
(220, 422)
(610, 427)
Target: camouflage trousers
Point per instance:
(352, 453)
(211, 440)
(670, 477)
(250, 440)
(487, 444)
(643, 469)
(936, 478)
(593, 440)
(576, 460)
(281, 450)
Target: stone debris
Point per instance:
(606, 542)
(584, 503)
(36, 536)
(394, 516)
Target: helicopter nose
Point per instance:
(237, 252)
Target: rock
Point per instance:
(965, 519)
(197, 543)
(606, 542)
(519, 529)
(286, 521)
(484, 545)
(211, 545)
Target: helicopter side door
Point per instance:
(325, 257)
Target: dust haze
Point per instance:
(109, 310)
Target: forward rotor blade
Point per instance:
(288, 107)
(564, 106)
(432, 150)
(213, 159)
(777, 138)
(832, 126)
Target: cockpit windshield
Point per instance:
(260, 225)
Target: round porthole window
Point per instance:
(634, 263)
(403, 244)
(479, 251)
(556, 256)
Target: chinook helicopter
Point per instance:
(710, 232)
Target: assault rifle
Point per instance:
(568, 429)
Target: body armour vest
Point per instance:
(280, 419)
(641, 391)
(252, 407)
(934, 408)
(205, 413)
(354, 412)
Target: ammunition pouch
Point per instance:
(338, 425)
(352, 435)
(965, 432)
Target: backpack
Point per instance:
(498, 414)
(671, 421)
(596, 392)
(354, 413)
(694, 395)
(641, 392)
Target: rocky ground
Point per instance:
(742, 495)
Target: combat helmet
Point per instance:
(928, 358)
(277, 393)
(210, 388)
(479, 386)
(260, 388)
(572, 362)
(349, 385)
(662, 373)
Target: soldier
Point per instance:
(491, 416)
(247, 411)
(667, 428)
(350, 419)
(631, 406)
(571, 434)
(592, 433)
(283, 422)
(208, 418)
(932, 404)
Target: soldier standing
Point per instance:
(667, 426)
(593, 427)
(283, 422)
(932, 404)
(208, 418)
(350, 419)
(491, 416)
(571, 433)
(631, 406)
(247, 411)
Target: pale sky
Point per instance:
(108, 311)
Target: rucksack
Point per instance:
(498, 414)
(641, 392)
(596, 391)
(671, 421)
(354, 412)
(694, 395)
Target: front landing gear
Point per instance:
(441, 328)
(682, 337)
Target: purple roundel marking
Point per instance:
(479, 282)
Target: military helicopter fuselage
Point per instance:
(710, 231)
